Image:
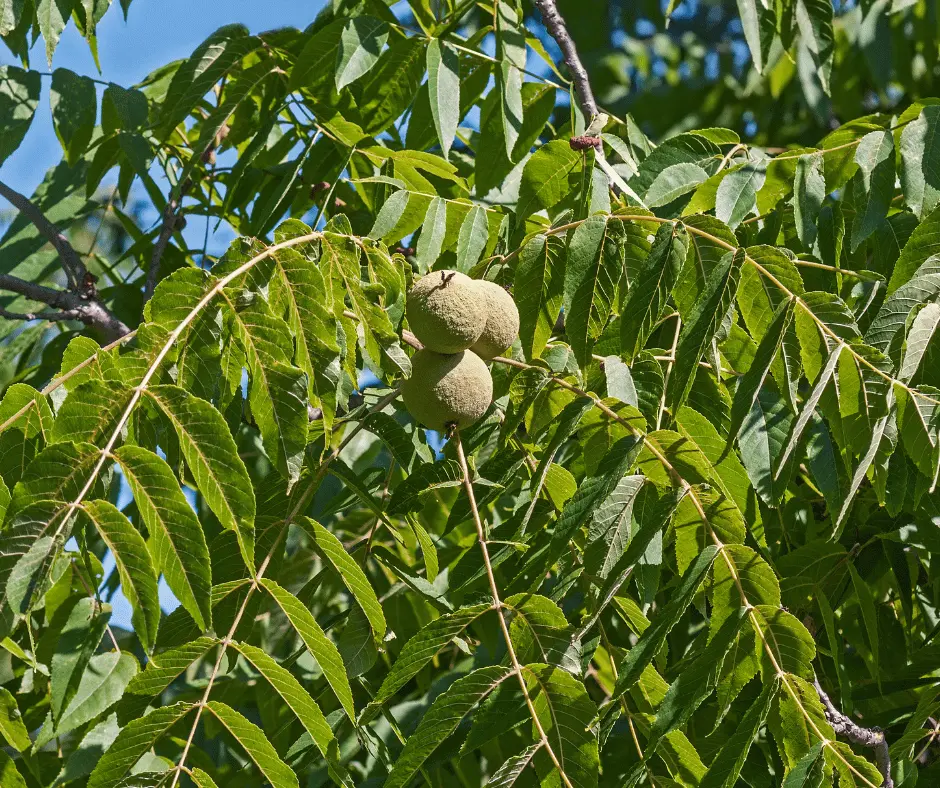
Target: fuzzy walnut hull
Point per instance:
(447, 390)
(446, 311)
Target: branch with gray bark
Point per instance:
(71, 306)
(80, 301)
(558, 30)
(872, 738)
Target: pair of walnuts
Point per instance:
(460, 321)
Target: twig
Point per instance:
(88, 310)
(82, 298)
(167, 226)
(865, 737)
(498, 607)
(555, 24)
(45, 315)
(71, 261)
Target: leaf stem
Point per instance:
(498, 607)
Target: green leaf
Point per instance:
(921, 244)
(433, 231)
(202, 779)
(611, 528)
(873, 184)
(511, 108)
(256, 745)
(694, 684)
(566, 713)
(91, 412)
(741, 575)
(785, 637)
(302, 294)
(592, 272)
(389, 215)
(19, 97)
(138, 578)
(59, 473)
(866, 602)
(758, 21)
(653, 638)
(651, 288)
(920, 159)
(52, 15)
(9, 776)
(493, 163)
(102, 684)
(736, 197)
(673, 182)
(891, 319)
(919, 420)
(11, 723)
(158, 675)
(472, 238)
(74, 112)
(319, 645)
(420, 649)
(749, 385)
(809, 191)
(301, 704)
(922, 331)
(545, 178)
(178, 543)
(592, 491)
(359, 48)
(442, 719)
(392, 84)
(77, 642)
(541, 633)
(509, 773)
(444, 91)
(213, 460)
(726, 766)
(702, 324)
(211, 61)
(809, 408)
(808, 772)
(538, 291)
(277, 390)
(351, 574)
(814, 20)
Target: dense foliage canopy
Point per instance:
(690, 544)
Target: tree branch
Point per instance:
(557, 29)
(71, 261)
(80, 301)
(865, 737)
(89, 311)
(167, 227)
(44, 315)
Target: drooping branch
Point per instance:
(73, 306)
(873, 738)
(80, 301)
